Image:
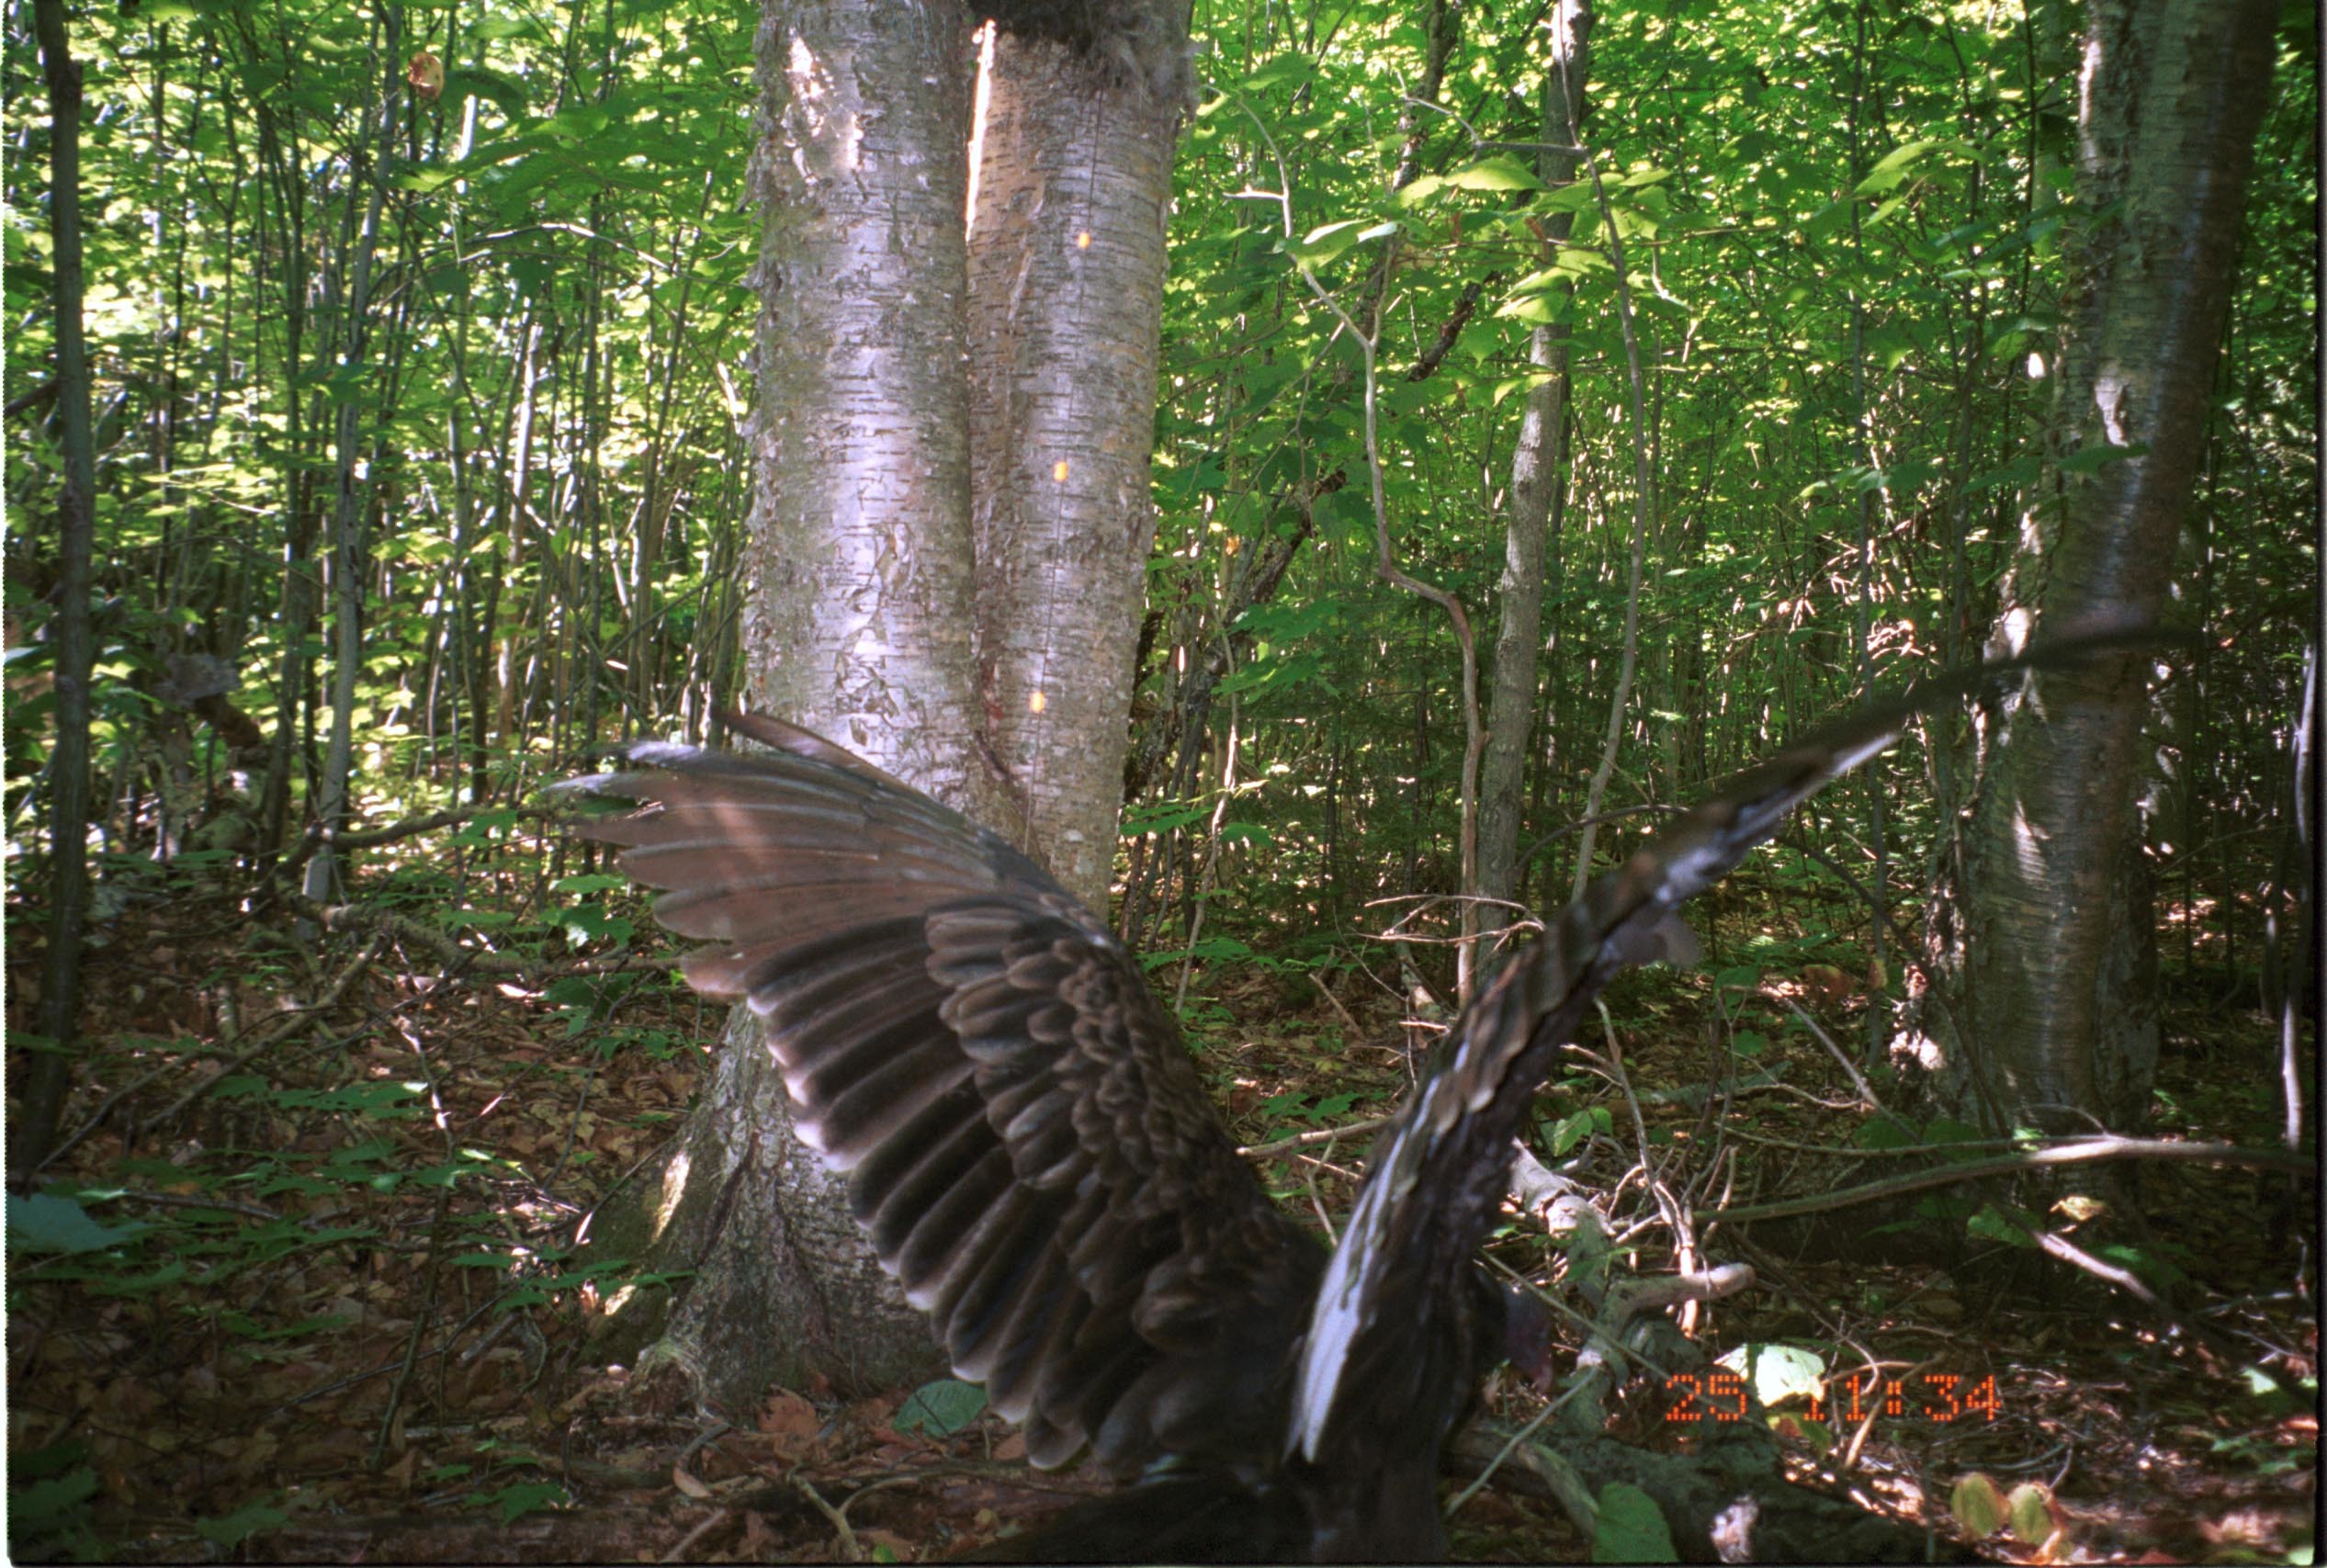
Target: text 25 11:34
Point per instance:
(1720, 1395)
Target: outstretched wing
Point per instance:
(1379, 1350)
(1029, 1147)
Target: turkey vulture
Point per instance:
(1033, 1155)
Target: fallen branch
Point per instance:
(451, 951)
(1315, 1135)
(2075, 1151)
(318, 834)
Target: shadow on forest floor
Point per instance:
(323, 1309)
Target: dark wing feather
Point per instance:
(1029, 1147)
(1379, 1352)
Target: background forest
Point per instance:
(421, 351)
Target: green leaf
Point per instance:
(1978, 1505)
(586, 923)
(2019, 472)
(1822, 223)
(422, 180)
(590, 882)
(2031, 1507)
(571, 991)
(476, 919)
(942, 1408)
(44, 1223)
(1883, 1132)
(1897, 164)
(1321, 246)
(1779, 1371)
(1291, 68)
(505, 92)
(1570, 1131)
(1992, 1223)
(380, 1099)
(42, 1503)
(152, 1282)
(524, 1498)
(1941, 1131)
(1159, 818)
(1501, 172)
(1630, 1527)
(2143, 1262)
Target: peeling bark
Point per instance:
(876, 613)
(1065, 304)
(857, 625)
(2046, 1009)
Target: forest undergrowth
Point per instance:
(306, 1285)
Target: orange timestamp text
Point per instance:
(1720, 1395)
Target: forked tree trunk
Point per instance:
(988, 665)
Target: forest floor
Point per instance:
(318, 1302)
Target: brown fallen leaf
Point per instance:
(790, 1423)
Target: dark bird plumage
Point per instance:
(1033, 1155)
